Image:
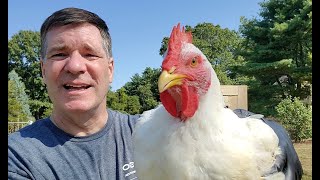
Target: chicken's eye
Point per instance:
(194, 62)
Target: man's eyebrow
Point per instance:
(64, 47)
(89, 47)
(57, 47)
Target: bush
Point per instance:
(296, 117)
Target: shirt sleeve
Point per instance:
(15, 168)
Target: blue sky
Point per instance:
(137, 27)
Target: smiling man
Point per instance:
(77, 71)
(82, 139)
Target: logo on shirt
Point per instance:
(129, 170)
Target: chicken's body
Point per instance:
(211, 143)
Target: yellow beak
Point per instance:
(167, 80)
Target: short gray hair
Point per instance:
(75, 16)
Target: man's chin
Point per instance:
(77, 107)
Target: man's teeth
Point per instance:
(76, 86)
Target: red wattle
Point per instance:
(190, 101)
(169, 103)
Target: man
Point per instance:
(81, 139)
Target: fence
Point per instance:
(14, 126)
(235, 96)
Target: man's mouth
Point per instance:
(76, 87)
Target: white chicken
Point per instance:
(192, 135)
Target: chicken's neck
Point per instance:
(212, 102)
(213, 98)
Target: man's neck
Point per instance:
(80, 124)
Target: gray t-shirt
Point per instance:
(42, 151)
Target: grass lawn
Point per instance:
(304, 151)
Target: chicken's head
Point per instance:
(186, 75)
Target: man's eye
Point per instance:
(91, 56)
(59, 55)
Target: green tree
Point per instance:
(145, 87)
(18, 107)
(122, 102)
(15, 113)
(278, 53)
(133, 105)
(147, 99)
(219, 46)
(40, 109)
(23, 57)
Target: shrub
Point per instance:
(296, 117)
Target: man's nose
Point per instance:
(76, 64)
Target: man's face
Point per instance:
(76, 68)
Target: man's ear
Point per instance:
(111, 69)
(43, 71)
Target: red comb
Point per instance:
(177, 37)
